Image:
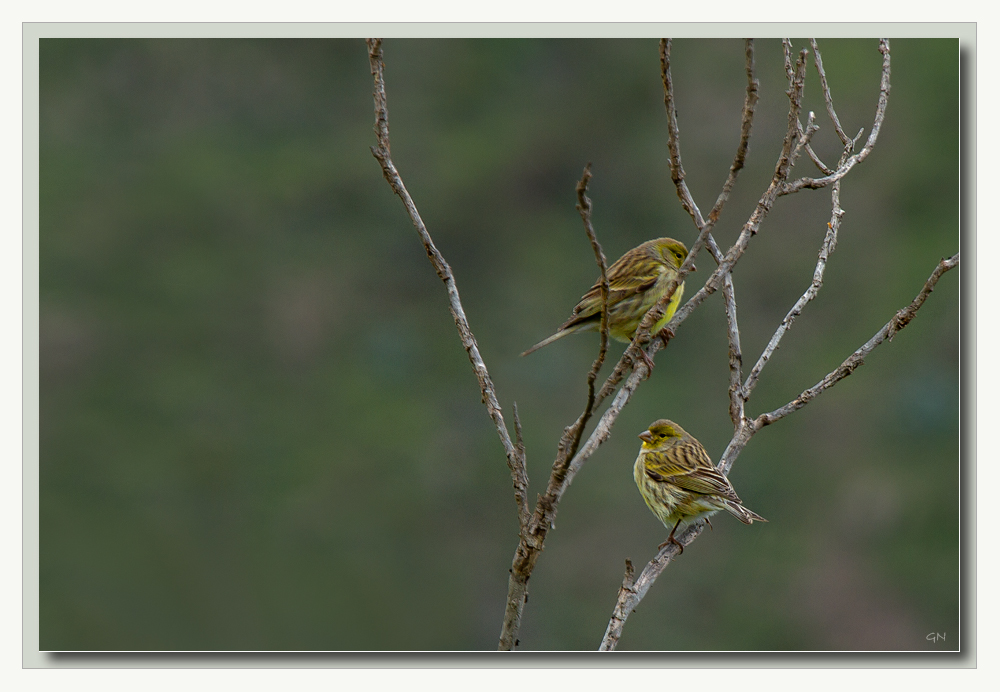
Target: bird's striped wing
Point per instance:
(688, 466)
(626, 278)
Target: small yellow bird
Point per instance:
(679, 482)
(636, 281)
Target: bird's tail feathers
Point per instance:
(545, 342)
(742, 513)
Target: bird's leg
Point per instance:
(647, 360)
(671, 539)
(709, 522)
(665, 334)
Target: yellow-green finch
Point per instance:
(636, 281)
(679, 482)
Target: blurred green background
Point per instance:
(259, 429)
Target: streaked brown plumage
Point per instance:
(636, 281)
(679, 482)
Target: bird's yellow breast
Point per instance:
(628, 313)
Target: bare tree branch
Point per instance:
(381, 151)
(887, 333)
(746, 428)
(629, 598)
(533, 532)
(827, 97)
(572, 434)
(856, 359)
(829, 244)
(519, 473)
(752, 225)
(786, 44)
(530, 542)
(620, 614)
(804, 136)
(746, 123)
(845, 168)
(736, 395)
(826, 249)
(728, 292)
(816, 160)
(673, 143)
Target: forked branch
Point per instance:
(852, 161)
(857, 359)
(515, 455)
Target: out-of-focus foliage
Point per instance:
(259, 429)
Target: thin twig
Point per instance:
(827, 248)
(805, 136)
(786, 44)
(534, 531)
(815, 158)
(856, 359)
(381, 152)
(619, 615)
(736, 395)
(827, 97)
(845, 168)
(520, 475)
(750, 228)
(629, 599)
(673, 142)
(749, 106)
(571, 436)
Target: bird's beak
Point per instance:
(646, 436)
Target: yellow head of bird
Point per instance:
(673, 252)
(661, 432)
